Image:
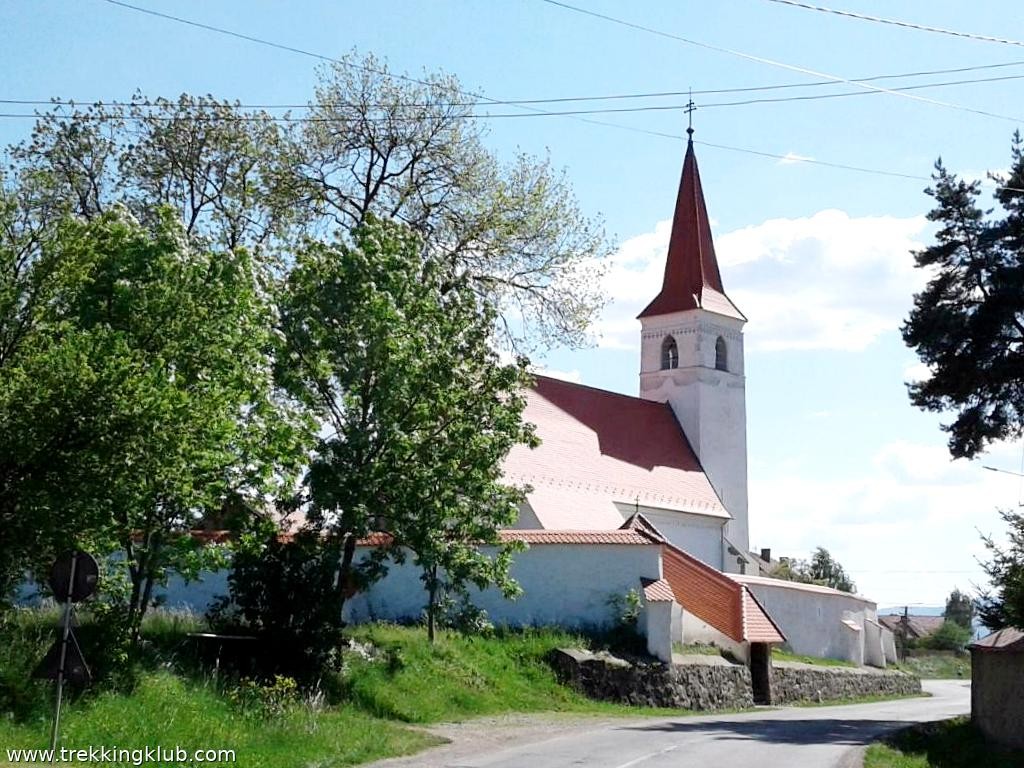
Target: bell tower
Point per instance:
(691, 356)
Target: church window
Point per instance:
(669, 354)
(721, 355)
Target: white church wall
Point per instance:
(527, 519)
(874, 653)
(695, 630)
(812, 618)
(852, 637)
(697, 535)
(656, 624)
(889, 645)
(568, 585)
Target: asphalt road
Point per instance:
(787, 737)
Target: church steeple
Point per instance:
(692, 278)
(691, 356)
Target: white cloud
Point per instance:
(827, 281)
(907, 526)
(916, 371)
(574, 376)
(987, 184)
(792, 157)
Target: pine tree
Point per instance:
(967, 325)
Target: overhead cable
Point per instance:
(897, 23)
(774, 63)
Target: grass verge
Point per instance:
(780, 655)
(404, 681)
(938, 666)
(168, 711)
(946, 744)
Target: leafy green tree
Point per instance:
(217, 169)
(394, 357)
(967, 325)
(374, 143)
(165, 348)
(951, 636)
(1003, 606)
(821, 569)
(959, 608)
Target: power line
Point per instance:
(300, 51)
(634, 129)
(897, 23)
(618, 96)
(469, 116)
(792, 158)
(773, 62)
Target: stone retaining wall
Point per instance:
(793, 683)
(714, 683)
(709, 685)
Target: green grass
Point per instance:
(407, 681)
(947, 744)
(938, 666)
(464, 676)
(165, 710)
(780, 655)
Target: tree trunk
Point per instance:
(431, 603)
(345, 571)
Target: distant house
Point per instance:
(911, 627)
(997, 679)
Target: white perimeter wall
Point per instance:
(813, 621)
(568, 585)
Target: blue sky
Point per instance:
(817, 257)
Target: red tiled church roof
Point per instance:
(692, 278)
(575, 537)
(601, 447)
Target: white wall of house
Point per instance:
(569, 585)
(812, 618)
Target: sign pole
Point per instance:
(63, 654)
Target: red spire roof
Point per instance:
(692, 279)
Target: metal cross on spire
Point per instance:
(690, 109)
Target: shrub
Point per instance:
(949, 637)
(287, 594)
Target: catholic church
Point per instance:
(678, 452)
(647, 495)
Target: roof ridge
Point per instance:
(580, 385)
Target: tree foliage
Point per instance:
(136, 397)
(821, 569)
(951, 636)
(967, 325)
(959, 608)
(394, 357)
(409, 150)
(370, 142)
(1003, 606)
